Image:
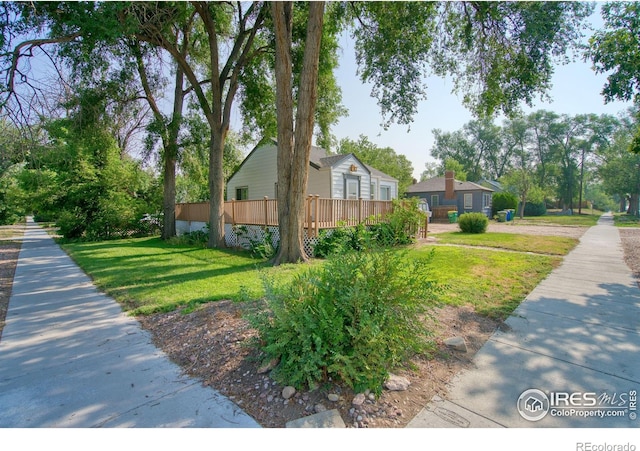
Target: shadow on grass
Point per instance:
(149, 275)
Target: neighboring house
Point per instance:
(447, 193)
(330, 176)
(492, 184)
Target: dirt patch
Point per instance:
(9, 250)
(631, 245)
(211, 344)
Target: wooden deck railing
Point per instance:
(319, 213)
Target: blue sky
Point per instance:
(576, 90)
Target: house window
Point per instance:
(352, 188)
(373, 190)
(468, 201)
(385, 193)
(435, 201)
(486, 200)
(242, 193)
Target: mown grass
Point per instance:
(583, 220)
(553, 245)
(625, 220)
(494, 283)
(148, 275)
(11, 231)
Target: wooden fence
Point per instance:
(319, 213)
(441, 213)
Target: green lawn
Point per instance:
(586, 219)
(148, 275)
(625, 220)
(493, 282)
(554, 245)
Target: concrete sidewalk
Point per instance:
(69, 357)
(578, 331)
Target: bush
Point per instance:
(401, 225)
(398, 228)
(260, 244)
(71, 223)
(503, 201)
(353, 319)
(473, 222)
(535, 209)
(341, 240)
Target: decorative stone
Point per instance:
(358, 400)
(396, 383)
(456, 343)
(333, 397)
(320, 408)
(326, 419)
(288, 392)
(271, 364)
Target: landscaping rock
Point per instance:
(333, 397)
(320, 408)
(456, 343)
(397, 383)
(271, 364)
(288, 392)
(358, 400)
(326, 419)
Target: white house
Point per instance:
(330, 176)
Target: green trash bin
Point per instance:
(453, 217)
(502, 216)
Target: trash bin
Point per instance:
(509, 215)
(502, 216)
(512, 214)
(453, 217)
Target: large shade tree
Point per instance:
(615, 51)
(499, 53)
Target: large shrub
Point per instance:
(340, 240)
(401, 225)
(397, 228)
(503, 201)
(473, 222)
(535, 209)
(353, 319)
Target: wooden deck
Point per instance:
(320, 213)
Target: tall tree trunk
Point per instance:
(581, 182)
(294, 147)
(170, 158)
(283, 22)
(216, 189)
(633, 205)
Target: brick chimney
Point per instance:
(449, 193)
